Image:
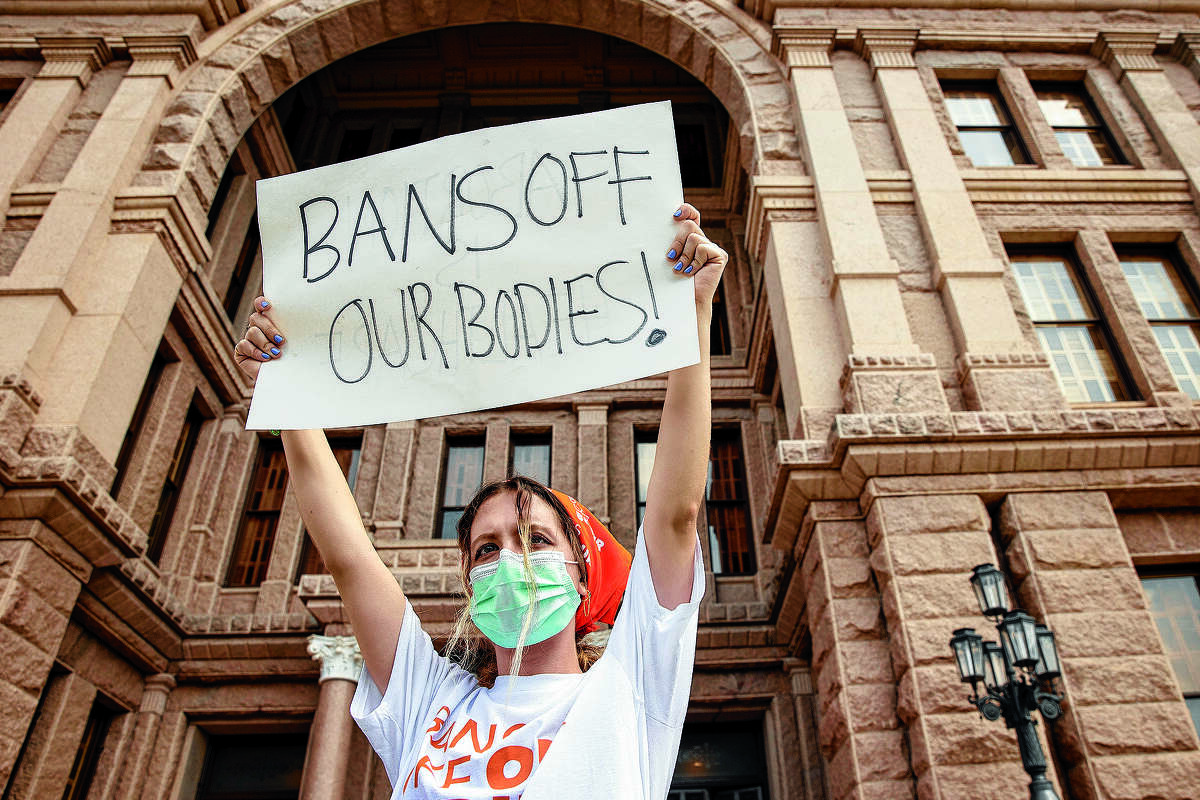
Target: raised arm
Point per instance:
(372, 597)
(677, 481)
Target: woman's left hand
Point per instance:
(693, 254)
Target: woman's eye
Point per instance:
(538, 538)
(485, 549)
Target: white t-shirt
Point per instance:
(615, 729)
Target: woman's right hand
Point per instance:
(261, 342)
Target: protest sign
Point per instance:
(476, 271)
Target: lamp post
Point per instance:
(1017, 674)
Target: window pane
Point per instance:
(1182, 351)
(1050, 290)
(256, 534)
(1082, 363)
(1193, 704)
(1065, 109)
(532, 459)
(990, 148)
(970, 107)
(464, 473)
(1085, 148)
(730, 541)
(643, 466)
(1157, 286)
(1175, 605)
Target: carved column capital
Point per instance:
(887, 48)
(1127, 51)
(154, 694)
(161, 56)
(340, 657)
(74, 57)
(1185, 48)
(801, 48)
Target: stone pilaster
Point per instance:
(391, 495)
(867, 306)
(1125, 729)
(860, 734)
(593, 458)
(968, 275)
(1130, 55)
(496, 450)
(922, 552)
(87, 309)
(35, 120)
(811, 768)
(43, 771)
(332, 734)
(145, 734)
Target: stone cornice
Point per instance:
(800, 48)
(160, 55)
(1127, 51)
(768, 10)
(774, 193)
(74, 57)
(212, 13)
(1185, 48)
(182, 234)
(887, 48)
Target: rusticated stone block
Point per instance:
(872, 708)
(1084, 589)
(1048, 511)
(1059, 550)
(1174, 776)
(1124, 679)
(935, 597)
(953, 553)
(1101, 633)
(1127, 728)
(962, 738)
(901, 516)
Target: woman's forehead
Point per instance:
(499, 512)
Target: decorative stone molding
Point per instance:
(141, 209)
(891, 383)
(23, 388)
(154, 695)
(75, 57)
(160, 56)
(772, 198)
(340, 657)
(1008, 381)
(803, 48)
(1127, 51)
(1185, 48)
(887, 48)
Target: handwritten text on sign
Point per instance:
(480, 270)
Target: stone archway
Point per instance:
(243, 70)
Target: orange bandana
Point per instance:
(608, 566)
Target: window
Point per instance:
(83, 769)
(720, 761)
(232, 171)
(173, 484)
(729, 534)
(530, 456)
(1068, 327)
(1170, 307)
(242, 271)
(1175, 604)
(137, 422)
(6, 96)
(252, 767)
(256, 534)
(644, 445)
(347, 452)
(985, 127)
(462, 474)
(1077, 126)
(720, 343)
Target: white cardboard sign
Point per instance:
(476, 271)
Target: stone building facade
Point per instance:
(955, 330)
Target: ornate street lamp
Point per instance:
(1017, 674)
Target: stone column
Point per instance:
(36, 118)
(859, 732)
(811, 768)
(332, 729)
(998, 368)
(145, 732)
(45, 764)
(922, 552)
(1130, 56)
(592, 489)
(886, 371)
(1125, 730)
(85, 309)
(37, 594)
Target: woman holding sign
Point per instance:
(541, 714)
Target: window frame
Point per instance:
(1064, 250)
(642, 436)
(734, 435)
(1080, 88)
(532, 439)
(1171, 256)
(268, 447)
(172, 487)
(1179, 570)
(992, 89)
(457, 439)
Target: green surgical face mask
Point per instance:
(500, 597)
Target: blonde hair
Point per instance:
(467, 644)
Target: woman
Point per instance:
(532, 560)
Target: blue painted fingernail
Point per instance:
(680, 211)
(266, 357)
(687, 271)
(670, 254)
(275, 350)
(678, 266)
(278, 338)
(264, 304)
